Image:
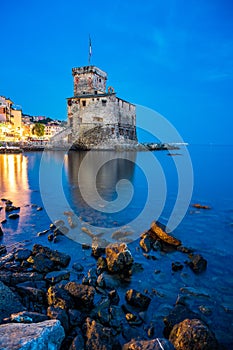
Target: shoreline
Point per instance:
(47, 290)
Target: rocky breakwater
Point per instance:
(52, 305)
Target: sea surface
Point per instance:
(108, 192)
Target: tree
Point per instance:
(38, 129)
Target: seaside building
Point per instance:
(96, 116)
(10, 120)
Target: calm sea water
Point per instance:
(56, 181)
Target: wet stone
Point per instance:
(33, 294)
(42, 233)
(91, 278)
(98, 337)
(2, 249)
(41, 263)
(198, 264)
(101, 264)
(57, 276)
(60, 314)
(177, 266)
(159, 231)
(9, 208)
(177, 314)
(155, 344)
(22, 254)
(83, 295)
(193, 335)
(59, 258)
(137, 299)
(78, 342)
(75, 317)
(9, 302)
(133, 319)
(13, 216)
(118, 257)
(114, 297)
(58, 296)
(98, 246)
(145, 243)
(24, 315)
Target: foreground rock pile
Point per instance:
(44, 305)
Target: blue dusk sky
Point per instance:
(174, 56)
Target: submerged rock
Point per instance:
(155, 344)
(137, 299)
(43, 335)
(118, 257)
(198, 264)
(193, 335)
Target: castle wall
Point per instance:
(106, 110)
(89, 80)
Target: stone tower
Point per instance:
(96, 116)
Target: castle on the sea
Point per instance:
(96, 116)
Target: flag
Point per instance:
(90, 50)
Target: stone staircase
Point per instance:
(61, 135)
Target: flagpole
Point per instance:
(90, 51)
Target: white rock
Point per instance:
(46, 335)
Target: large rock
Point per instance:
(9, 302)
(193, 335)
(98, 337)
(137, 299)
(46, 335)
(118, 257)
(13, 278)
(158, 231)
(57, 296)
(83, 295)
(59, 258)
(178, 314)
(155, 344)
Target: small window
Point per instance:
(104, 102)
(95, 92)
(99, 80)
(84, 103)
(84, 92)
